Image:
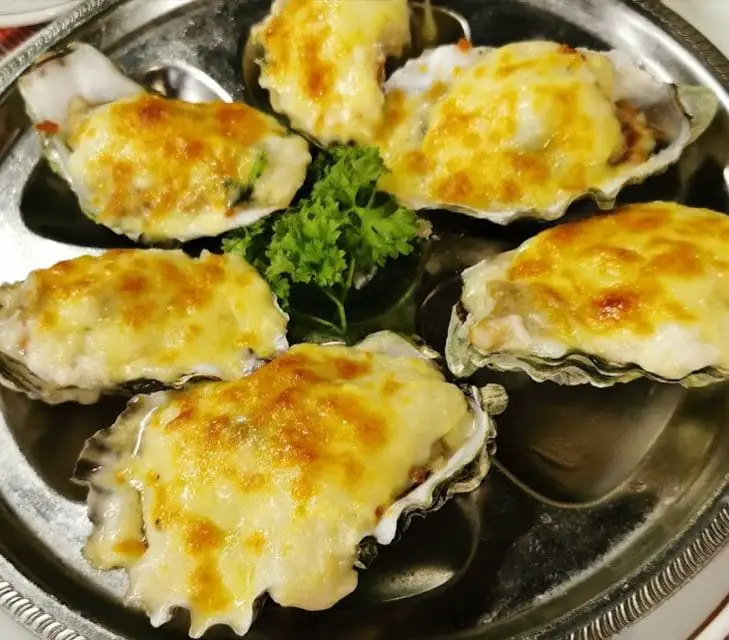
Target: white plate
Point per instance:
(20, 13)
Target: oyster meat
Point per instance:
(322, 62)
(526, 129)
(132, 319)
(155, 169)
(639, 292)
(213, 496)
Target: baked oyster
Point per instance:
(281, 482)
(155, 169)
(322, 62)
(129, 320)
(526, 129)
(639, 292)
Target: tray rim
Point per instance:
(30, 606)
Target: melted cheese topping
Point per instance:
(528, 126)
(648, 285)
(98, 321)
(268, 484)
(166, 169)
(324, 62)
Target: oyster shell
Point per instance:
(640, 292)
(524, 130)
(133, 320)
(323, 448)
(155, 169)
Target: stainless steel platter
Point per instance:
(601, 503)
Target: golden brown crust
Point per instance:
(269, 482)
(522, 127)
(623, 271)
(97, 321)
(295, 406)
(324, 61)
(172, 142)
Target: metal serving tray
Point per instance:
(602, 502)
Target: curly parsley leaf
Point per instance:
(250, 243)
(343, 227)
(305, 246)
(348, 175)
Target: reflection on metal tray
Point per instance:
(602, 501)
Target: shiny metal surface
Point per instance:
(602, 501)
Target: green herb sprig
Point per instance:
(343, 229)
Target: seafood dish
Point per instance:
(286, 413)
(155, 169)
(213, 496)
(322, 62)
(525, 129)
(131, 318)
(638, 292)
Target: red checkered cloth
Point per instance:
(12, 38)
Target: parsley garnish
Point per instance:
(344, 228)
